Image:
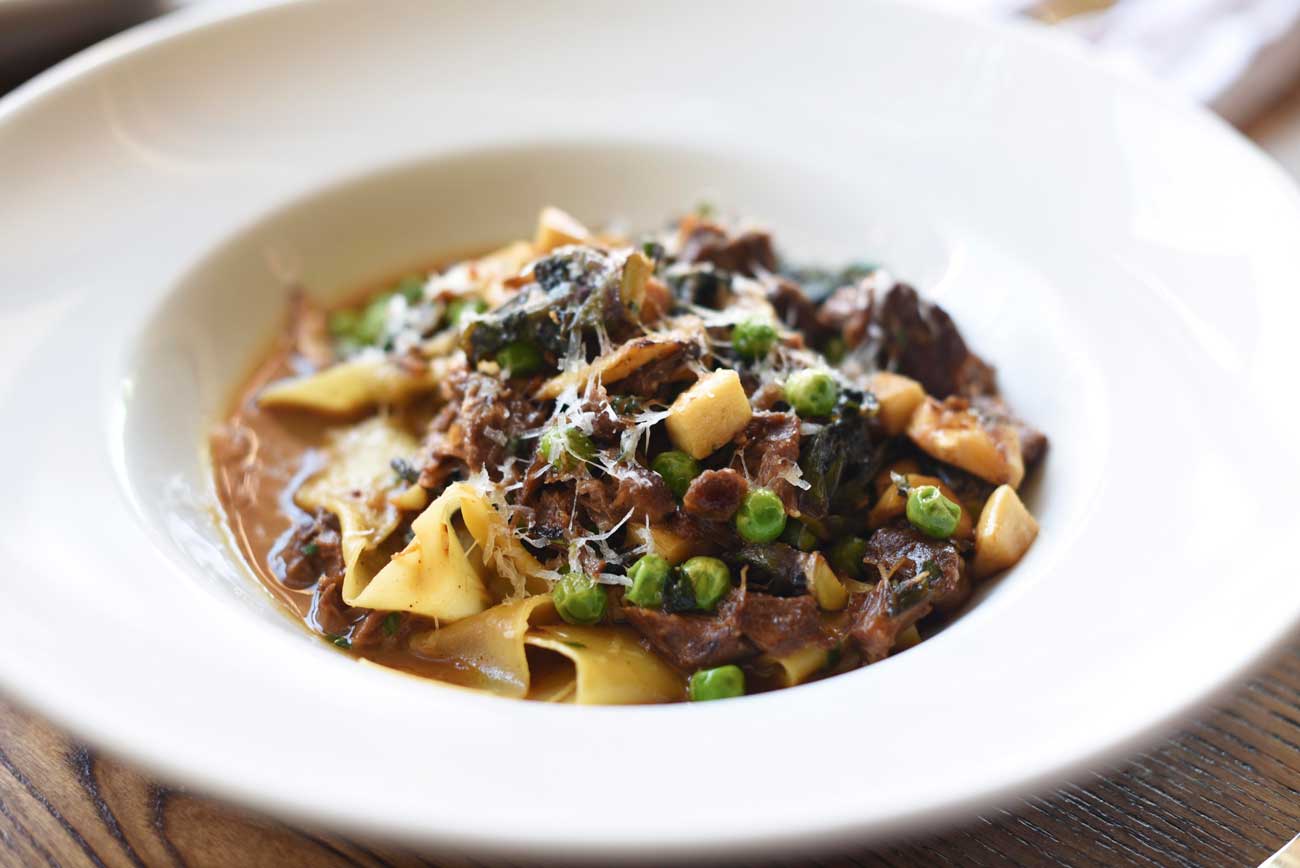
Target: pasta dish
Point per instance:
(597, 468)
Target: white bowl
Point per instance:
(1128, 262)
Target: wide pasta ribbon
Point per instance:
(435, 575)
(491, 644)
(349, 387)
(357, 485)
(611, 665)
(599, 665)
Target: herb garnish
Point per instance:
(405, 471)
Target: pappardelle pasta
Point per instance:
(599, 469)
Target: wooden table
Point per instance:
(1223, 791)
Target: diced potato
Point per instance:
(670, 546)
(613, 366)
(708, 414)
(892, 504)
(951, 432)
(825, 587)
(555, 229)
(899, 397)
(1005, 532)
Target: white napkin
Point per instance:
(1234, 55)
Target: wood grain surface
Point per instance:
(1223, 791)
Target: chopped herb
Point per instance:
(392, 623)
(907, 595)
(372, 321)
(310, 549)
(679, 594)
(847, 555)
(653, 250)
(706, 210)
(459, 308)
(702, 284)
(819, 283)
(625, 404)
(931, 571)
(411, 288)
(575, 644)
(405, 471)
(341, 641)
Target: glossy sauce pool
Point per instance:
(259, 458)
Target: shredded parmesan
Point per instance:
(495, 548)
(642, 422)
(793, 474)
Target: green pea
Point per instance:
(724, 682)
(564, 447)
(812, 392)
(519, 359)
(932, 513)
(846, 556)
(752, 339)
(579, 599)
(459, 308)
(710, 580)
(761, 517)
(648, 575)
(677, 469)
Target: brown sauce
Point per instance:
(260, 458)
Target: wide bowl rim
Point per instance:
(46, 697)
